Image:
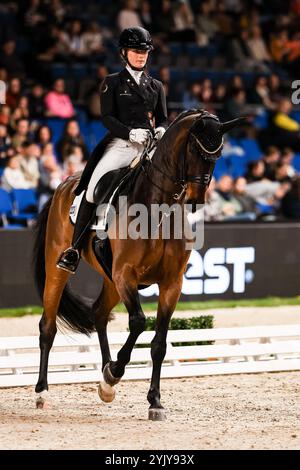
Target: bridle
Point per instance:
(202, 180)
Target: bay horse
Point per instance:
(180, 169)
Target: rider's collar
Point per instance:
(136, 74)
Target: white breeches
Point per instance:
(118, 154)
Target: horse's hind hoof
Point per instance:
(41, 401)
(106, 392)
(157, 414)
(108, 377)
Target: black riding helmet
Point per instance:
(135, 38)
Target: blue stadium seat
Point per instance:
(25, 204)
(59, 70)
(296, 115)
(238, 166)
(6, 210)
(176, 74)
(261, 120)
(175, 48)
(194, 75)
(296, 162)
(193, 50)
(78, 70)
(252, 149)
(221, 168)
(97, 132)
(57, 126)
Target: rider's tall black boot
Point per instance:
(69, 259)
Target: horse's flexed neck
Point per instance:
(165, 173)
(173, 143)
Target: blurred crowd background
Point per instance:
(231, 57)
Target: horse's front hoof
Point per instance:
(106, 392)
(41, 401)
(157, 414)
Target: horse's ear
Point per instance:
(227, 126)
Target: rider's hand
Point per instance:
(159, 132)
(138, 136)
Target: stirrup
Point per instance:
(69, 260)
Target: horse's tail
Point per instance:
(72, 311)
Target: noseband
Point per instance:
(197, 147)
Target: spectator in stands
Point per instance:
(5, 115)
(286, 129)
(279, 46)
(291, 201)
(206, 91)
(23, 106)
(71, 137)
(56, 11)
(22, 133)
(164, 22)
(219, 93)
(92, 42)
(71, 166)
(47, 150)
(247, 202)
(271, 159)
(50, 176)
(206, 26)
(146, 15)
(4, 143)
(10, 60)
(256, 171)
(13, 177)
(257, 46)
(235, 83)
(211, 207)
(29, 163)
(267, 194)
(35, 16)
(43, 136)
(91, 92)
(128, 16)
(287, 158)
(223, 20)
(3, 74)
(191, 98)
(74, 39)
(292, 62)
(241, 54)
(282, 172)
(234, 107)
(36, 101)
(184, 22)
(14, 92)
(77, 151)
(260, 94)
(55, 46)
(58, 103)
(228, 205)
(274, 86)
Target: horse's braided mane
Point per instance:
(184, 114)
(163, 144)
